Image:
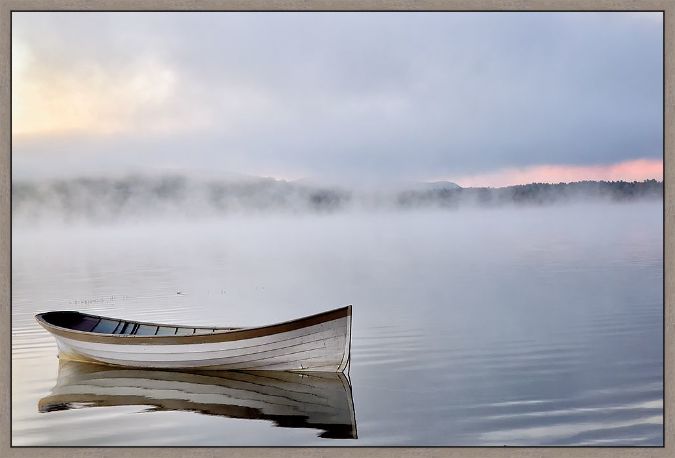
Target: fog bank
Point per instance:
(138, 198)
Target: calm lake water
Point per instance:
(529, 326)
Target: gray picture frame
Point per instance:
(6, 8)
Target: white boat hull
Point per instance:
(320, 346)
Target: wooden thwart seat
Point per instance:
(130, 328)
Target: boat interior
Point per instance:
(101, 325)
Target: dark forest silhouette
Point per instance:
(136, 196)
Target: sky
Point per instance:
(481, 99)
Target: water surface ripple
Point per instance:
(534, 326)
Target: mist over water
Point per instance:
(516, 325)
(142, 196)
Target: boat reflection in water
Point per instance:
(317, 400)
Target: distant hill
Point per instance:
(535, 193)
(140, 197)
(137, 197)
(440, 185)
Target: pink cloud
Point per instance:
(636, 170)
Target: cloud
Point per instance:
(636, 170)
(362, 96)
(94, 101)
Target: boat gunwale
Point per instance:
(219, 335)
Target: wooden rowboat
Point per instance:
(317, 400)
(314, 343)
